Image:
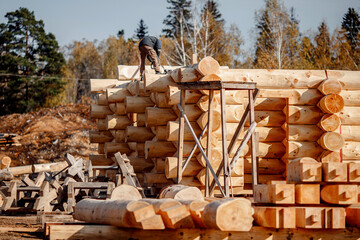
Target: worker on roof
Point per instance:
(150, 47)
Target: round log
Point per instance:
(191, 169)
(125, 192)
(207, 65)
(157, 83)
(192, 111)
(102, 100)
(137, 104)
(136, 88)
(110, 148)
(101, 124)
(98, 111)
(350, 133)
(196, 208)
(159, 116)
(116, 94)
(330, 86)
(189, 75)
(330, 156)
(216, 158)
(117, 122)
(203, 103)
(172, 95)
(351, 97)
(307, 133)
(101, 148)
(172, 131)
(5, 162)
(160, 100)
(181, 192)
(159, 149)
(119, 135)
(339, 194)
(266, 134)
(210, 77)
(266, 166)
(350, 115)
(350, 151)
(329, 122)
(331, 141)
(160, 132)
(229, 215)
(100, 136)
(140, 119)
(331, 103)
(161, 204)
(118, 108)
(304, 149)
(138, 134)
(121, 213)
(304, 115)
(203, 119)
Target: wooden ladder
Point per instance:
(128, 171)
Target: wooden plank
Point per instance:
(275, 217)
(257, 233)
(278, 193)
(307, 193)
(304, 170)
(335, 171)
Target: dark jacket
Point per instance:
(151, 41)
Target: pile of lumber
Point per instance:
(180, 207)
(52, 186)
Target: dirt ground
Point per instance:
(20, 227)
(46, 135)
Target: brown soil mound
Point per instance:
(48, 134)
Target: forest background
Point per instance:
(35, 72)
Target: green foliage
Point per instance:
(30, 61)
(351, 24)
(178, 19)
(141, 31)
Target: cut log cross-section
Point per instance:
(329, 122)
(340, 194)
(275, 217)
(330, 86)
(307, 193)
(331, 141)
(332, 103)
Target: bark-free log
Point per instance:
(98, 111)
(235, 181)
(172, 95)
(177, 217)
(318, 217)
(354, 171)
(192, 111)
(307, 193)
(335, 172)
(203, 103)
(351, 97)
(100, 136)
(101, 124)
(330, 86)
(5, 162)
(232, 97)
(350, 115)
(159, 149)
(216, 118)
(275, 217)
(330, 156)
(46, 167)
(294, 96)
(331, 141)
(304, 115)
(110, 148)
(278, 193)
(117, 94)
(118, 122)
(332, 103)
(121, 213)
(350, 133)
(353, 216)
(192, 168)
(207, 65)
(340, 194)
(181, 192)
(172, 131)
(102, 100)
(329, 122)
(160, 100)
(159, 116)
(304, 149)
(157, 83)
(135, 104)
(265, 166)
(216, 158)
(138, 134)
(350, 150)
(229, 215)
(99, 85)
(304, 170)
(125, 192)
(187, 74)
(309, 133)
(196, 208)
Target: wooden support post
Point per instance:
(181, 138)
(254, 159)
(226, 164)
(208, 144)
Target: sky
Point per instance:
(71, 20)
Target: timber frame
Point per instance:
(226, 165)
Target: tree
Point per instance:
(141, 31)
(178, 20)
(322, 51)
(306, 54)
(278, 36)
(211, 7)
(351, 25)
(31, 62)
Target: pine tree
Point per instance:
(211, 7)
(178, 19)
(322, 51)
(141, 31)
(351, 24)
(306, 54)
(31, 60)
